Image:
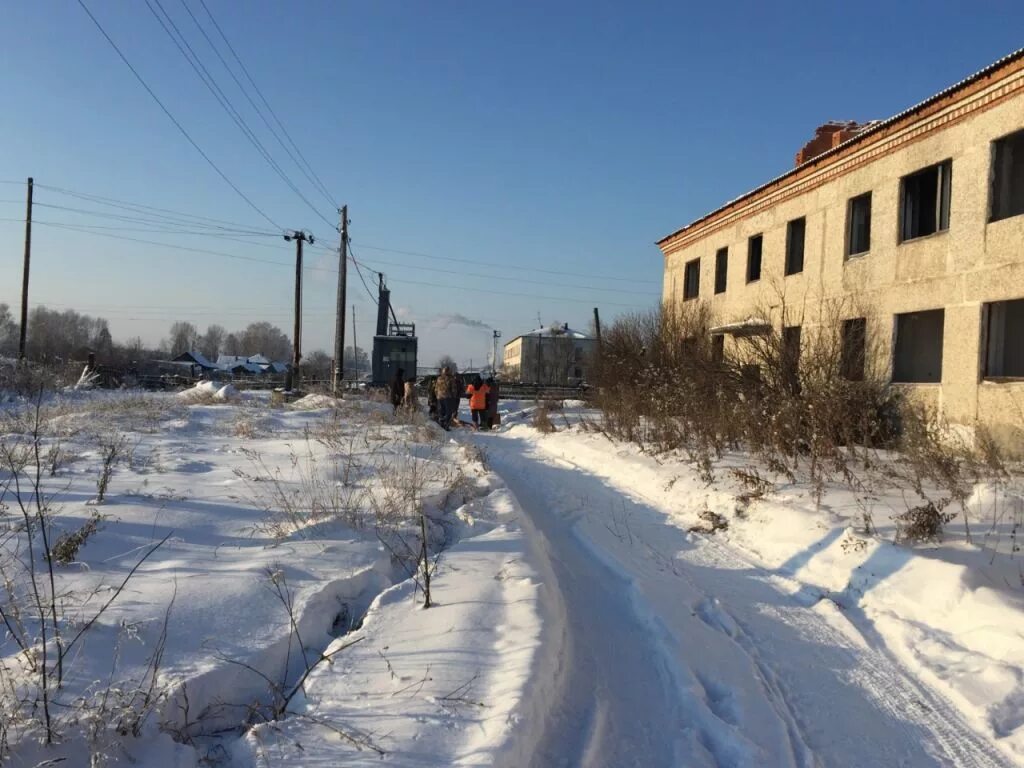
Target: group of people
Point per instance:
(443, 397)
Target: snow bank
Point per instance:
(211, 392)
(314, 402)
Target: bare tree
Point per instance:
(183, 338)
(211, 343)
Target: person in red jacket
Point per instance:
(477, 392)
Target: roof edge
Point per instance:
(904, 116)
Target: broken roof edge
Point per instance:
(873, 128)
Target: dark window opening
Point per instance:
(917, 357)
(852, 354)
(754, 246)
(858, 225)
(1004, 341)
(795, 232)
(721, 269)
(691, 280)
(1008, 176)
(924, 201)
(791, 358)
(718, 348)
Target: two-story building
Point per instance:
(915, 223)
(555, 355)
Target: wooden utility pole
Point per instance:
(339, 330)
(597, 326)
(355, 343)
(24, 274)
(293, 372)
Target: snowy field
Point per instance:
(272, 609)
(277, 622)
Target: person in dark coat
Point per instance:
(446, 390)
(493, 419)
(432, 402)
(398, 389)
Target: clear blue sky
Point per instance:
(540, 135)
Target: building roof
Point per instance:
(874, 129)
(557, 330)
(195, 357)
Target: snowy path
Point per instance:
(674, 649)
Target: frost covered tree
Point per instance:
(265, 339)
(211, 343)
(8, 332)
(183, 337)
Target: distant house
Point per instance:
(250, 365)
(196, 359)
(554, 355)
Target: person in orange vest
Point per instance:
(477, 392)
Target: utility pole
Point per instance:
(24, 274)
(339, 330)
(355, 344)
(293, 372)
(597, 326)
(494, 360)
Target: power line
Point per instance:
(508, 279)
(359, 272)
(501, 266)
(156, 221)
(252, 103)
(263, 99)
(174, 120)
(211, 84)
(142, 208)
(403, 281)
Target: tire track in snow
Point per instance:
(912, 725)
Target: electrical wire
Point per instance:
(211, 84)
(506, 279)
(256, 109)
(503, 266)
(145, 209)
(174, 120)
(153, 221)
(263, 99)
(360, 273)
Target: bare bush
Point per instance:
(112, 446)
(542, 419)
(65, 549)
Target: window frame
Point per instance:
(789, 268)
(693, 264)
(987, 352)
(850, 203)
(1017, 136)
(750, 257)
(896, 344)
(721, 269)
(942, 202)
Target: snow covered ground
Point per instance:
(578, 621)
(264, 506)
(786, 639)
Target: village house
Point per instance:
(912, 226)
(555, 355)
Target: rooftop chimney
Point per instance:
(827, 136)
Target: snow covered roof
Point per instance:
(557, 330)
(250, 364)
(872, 128)
(197, 358)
